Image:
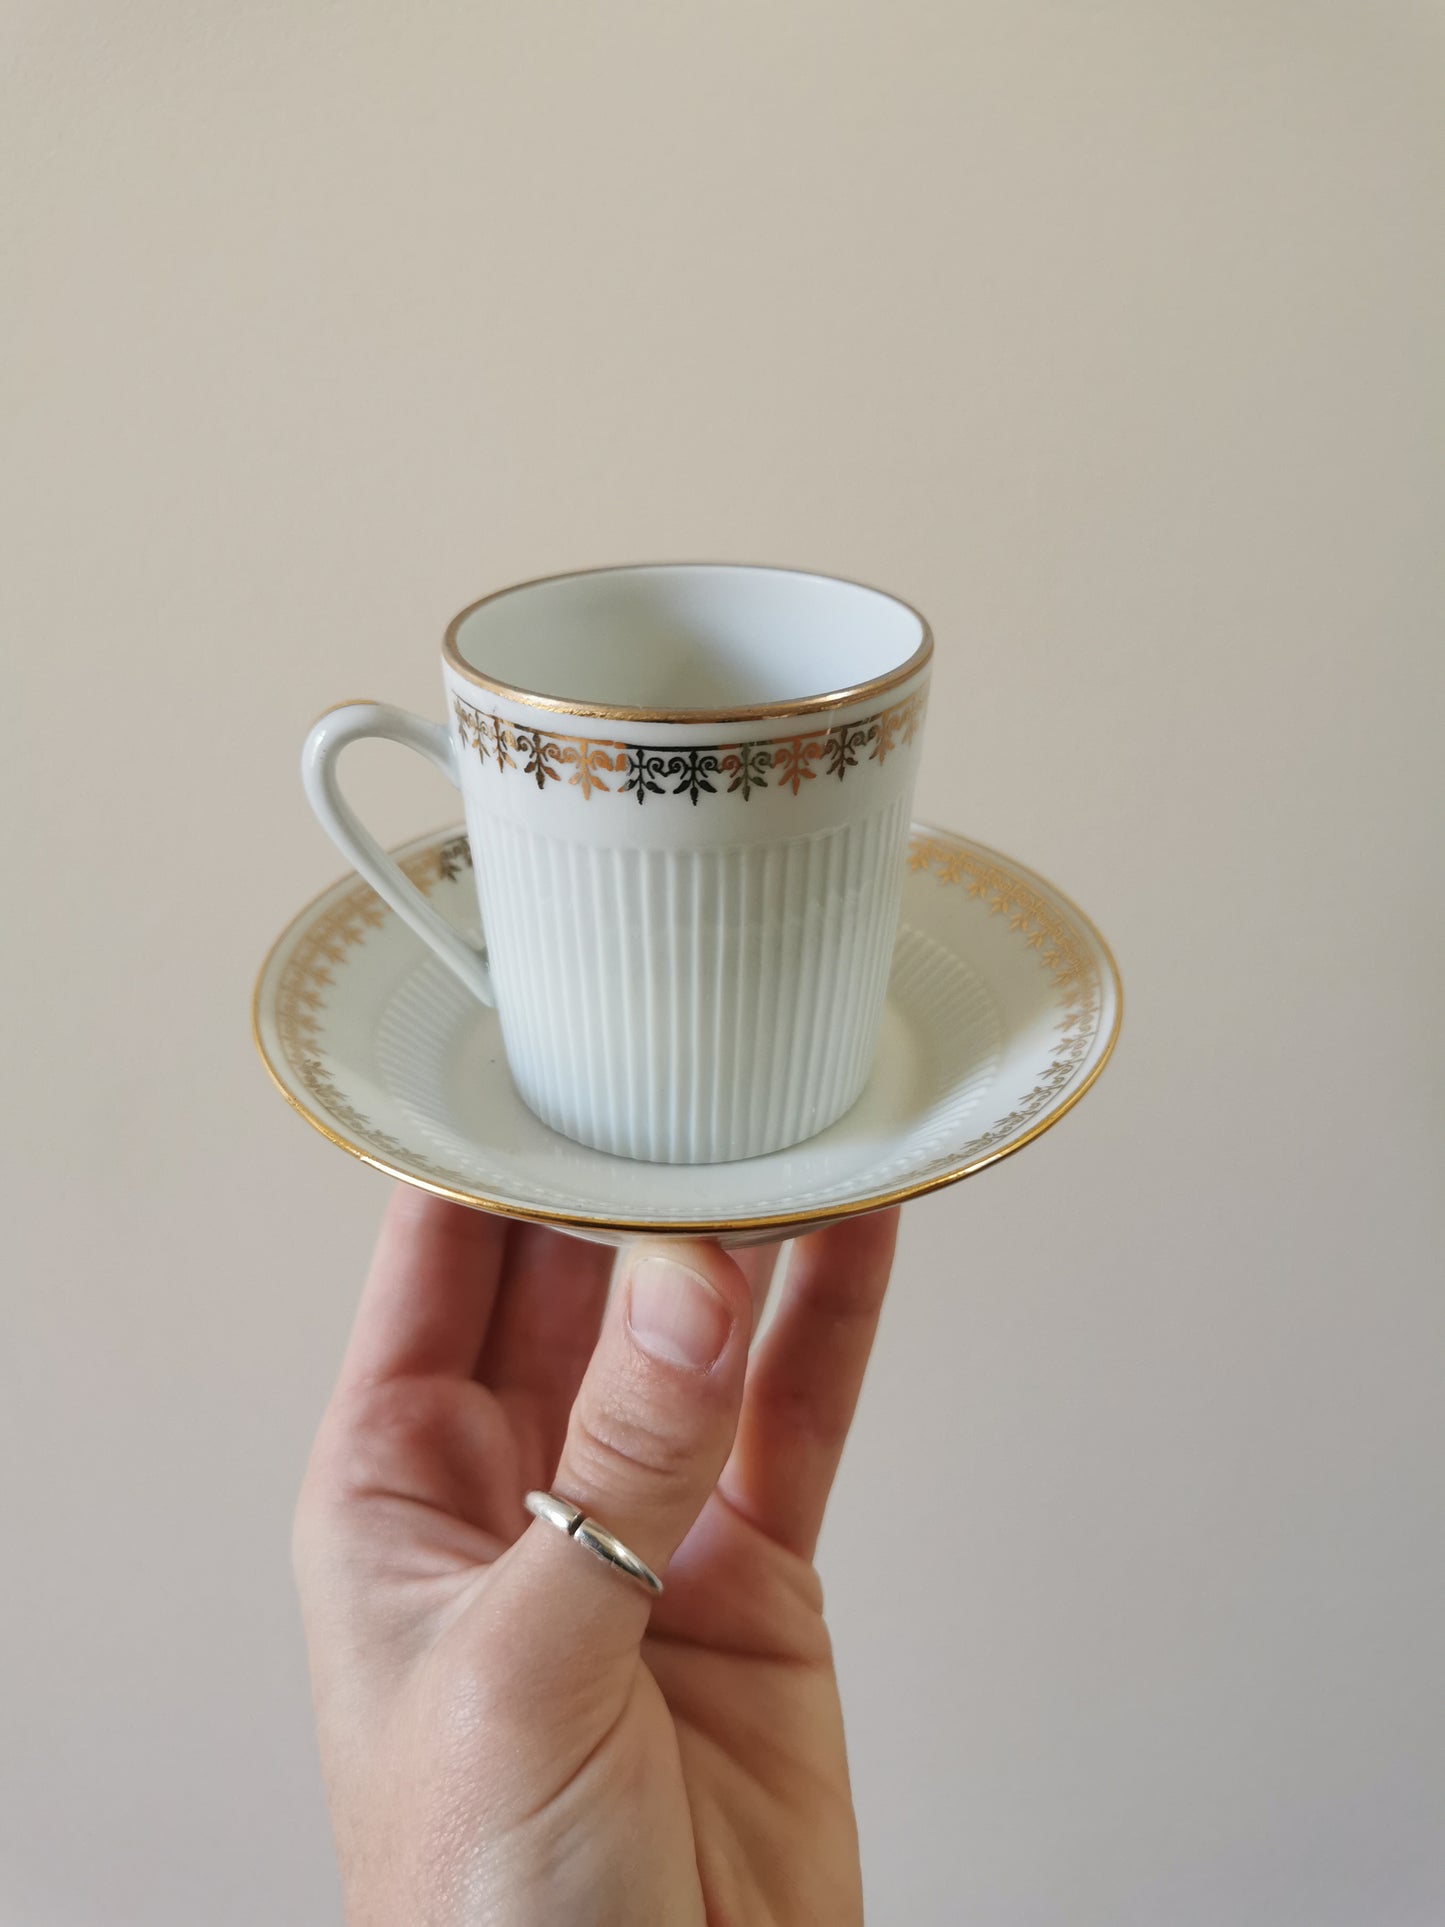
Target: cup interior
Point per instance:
(687, 639)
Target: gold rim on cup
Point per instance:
(616, 712)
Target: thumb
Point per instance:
(651, 1428)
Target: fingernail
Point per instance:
(675, 1315)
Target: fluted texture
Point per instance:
(692, 1006)
(437, 1058)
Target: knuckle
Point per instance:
(608, 1446)
(366, 1431)
(802, 1417)
(845, 1300)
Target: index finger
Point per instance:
(429, 1294)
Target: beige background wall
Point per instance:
(1107, 333)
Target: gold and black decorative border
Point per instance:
(644, 769)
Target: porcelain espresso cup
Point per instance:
(687, 793)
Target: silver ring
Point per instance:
(605, 1545)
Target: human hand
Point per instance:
(509, 1730)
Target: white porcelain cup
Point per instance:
(687, 793)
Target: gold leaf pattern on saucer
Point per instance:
(300, 998)
(1033, 918)
(1061, 951)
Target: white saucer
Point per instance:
(1003, 1007)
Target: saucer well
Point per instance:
(1003, 1007)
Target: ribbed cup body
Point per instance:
(697, 975)
(692, 1006)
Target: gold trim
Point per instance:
(541, 755)
(428, 858)
(307, 972)
(1062, 952)
(615, 712)
(346, 702)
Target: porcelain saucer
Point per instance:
(1003, 1007)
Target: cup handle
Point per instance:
(348, 723)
